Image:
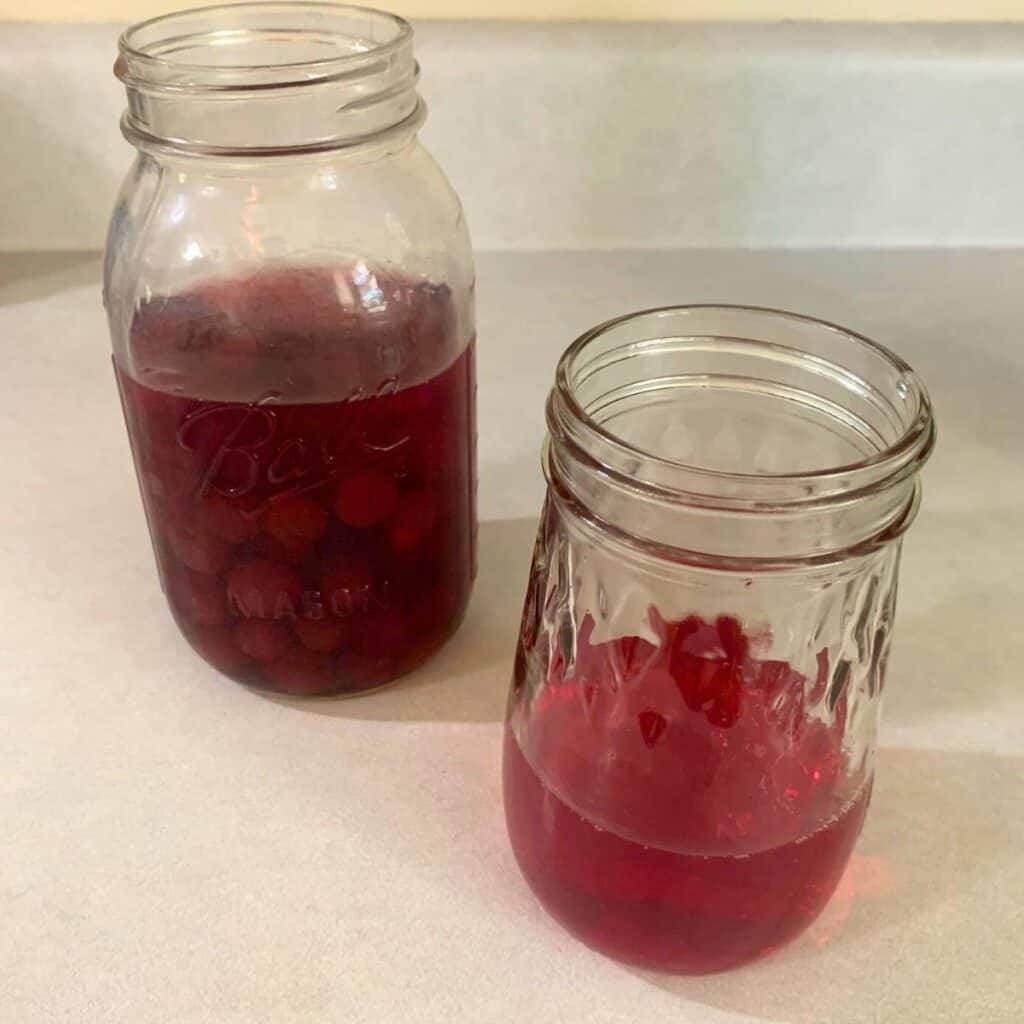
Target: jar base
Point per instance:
(312, 679)
(662, 910)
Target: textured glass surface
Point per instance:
(692, 722)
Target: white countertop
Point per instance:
(177, 848)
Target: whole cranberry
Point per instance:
(263, 640)
(365, 499)
(264, 590)
(302, 672)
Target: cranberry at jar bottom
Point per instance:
(299, 542)
(665, 806)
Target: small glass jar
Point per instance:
(691, 727)
(289, 287)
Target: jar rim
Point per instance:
(269, 79)
(570, 420)
(136, 54)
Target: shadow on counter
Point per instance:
(904, 937)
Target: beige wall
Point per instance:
(852, 10)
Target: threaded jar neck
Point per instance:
(737, 433)
(268, 78)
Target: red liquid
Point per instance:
(307, 546)
(679, 808)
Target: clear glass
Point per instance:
(691, 727)
(289, 288)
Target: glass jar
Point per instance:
(691, 727)
(289, 287)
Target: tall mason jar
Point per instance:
(690, 741)
(289, 287)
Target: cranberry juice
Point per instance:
(682, 806)
(308, 480)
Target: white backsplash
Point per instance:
(617, 136)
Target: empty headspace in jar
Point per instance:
(738, 431)
(746, 392)
(268, 78)
(265, 39)
(736, 406)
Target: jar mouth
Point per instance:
(261, 45)
(780, 410)
(269, 79)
